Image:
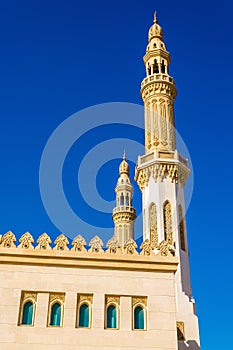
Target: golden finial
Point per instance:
(155, 17)
(124, 166)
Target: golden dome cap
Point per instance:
(155, 30)
(124, 166)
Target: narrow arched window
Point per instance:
(55, 316)
(163, 67)
(181, 229)
(111, 317)
(27, 315)
(84, 316)
(122, 199)
(139, 321)
(155, 67)
(127, 199)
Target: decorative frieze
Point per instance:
(8, 240)
(130, 246)
(26, 241)
(44, 242)
(61, 242)
(96, 244)
(159, 171)
(113, 245)
(78, 245)
(146, 247)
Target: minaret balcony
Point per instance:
(157, 77)
(124, 208)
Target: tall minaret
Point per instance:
(161, 175)
(124, 213)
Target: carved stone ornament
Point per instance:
(57, 296)
(113, 245)
(164, 248)
(153, 226)
(176, 173)
(168, 222)
(26, 241)
(146, 247)
(139, 300)
(85, 297)
(79, 244)
(61, 243)
(112, 299)
(44, 242)
(130, 246)
(29, 295)
(180, 330)
(96, 244)
(8, 240)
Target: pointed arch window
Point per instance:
(139, 317)
(55, 316)
(27, 313)
(84, 308)
(111, 317)
(56, 309)
(127, 199)
(27, 308)
(122, 199)
(84, 316)
(181, 229)
(167, 220)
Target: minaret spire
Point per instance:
(124, 213)
(158, 92)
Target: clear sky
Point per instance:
(58, 57)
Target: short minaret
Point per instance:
(124, 213)
(161, 175)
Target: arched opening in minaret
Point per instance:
(181, 229)
(163, 67)
(122, 199)
(156, 67)
(127, 200)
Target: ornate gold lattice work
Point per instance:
(153, 226)
(167, 216)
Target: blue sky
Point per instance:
(58, 57)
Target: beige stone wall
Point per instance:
(156, 282)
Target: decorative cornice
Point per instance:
(126, 258)
(156, 52)
(159, 170)
(154, 85)
(124, 216)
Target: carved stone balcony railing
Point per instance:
(124, 208)
(157, 77)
